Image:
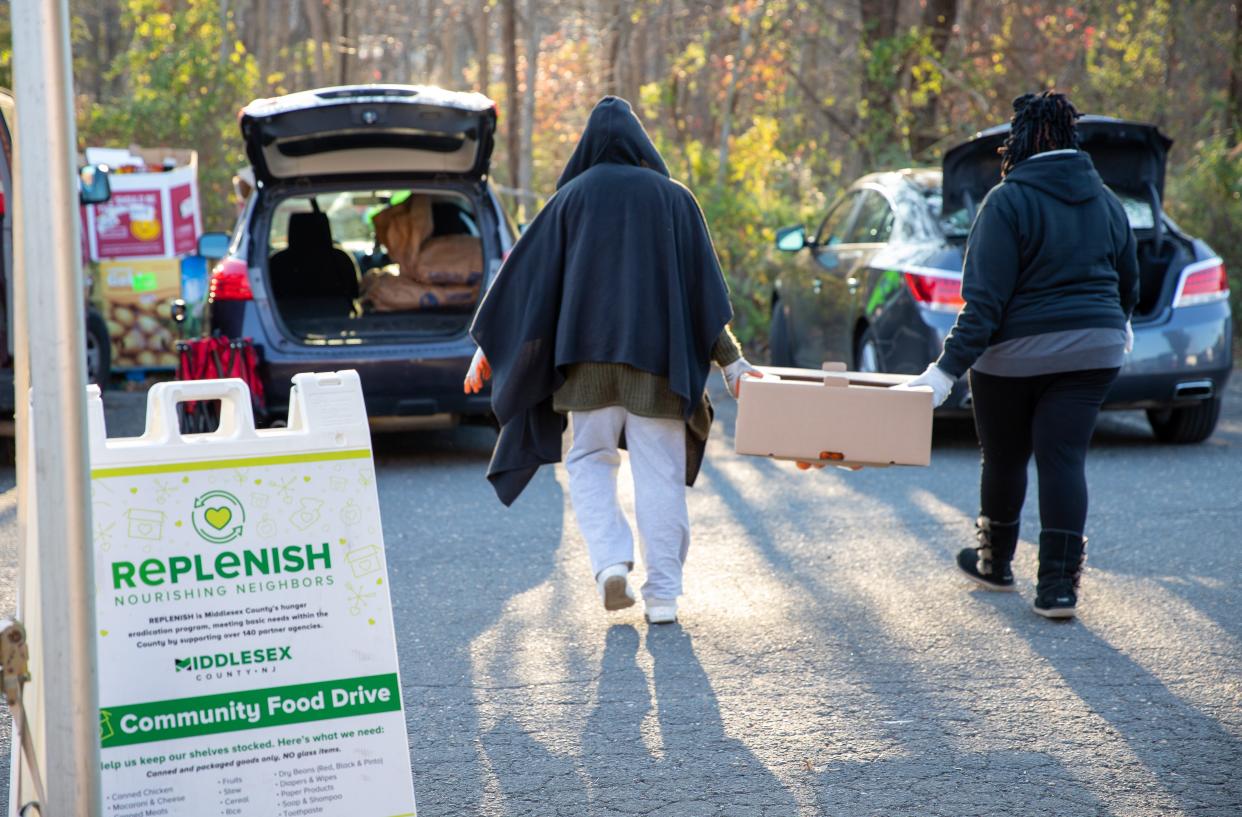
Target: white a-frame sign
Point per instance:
(247, 662)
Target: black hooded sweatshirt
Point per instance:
(618, 267)
(1051, 249)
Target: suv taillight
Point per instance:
(1202, 283)
(230, 281)
(937, 290)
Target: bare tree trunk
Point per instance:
(939, 16)
(225, 45)
(343, 50)
(726, 116)
(617, 47)
(1170, 64)
(483, 42)
(319, 34)
(262, 36)
(513, 128)
(1234, 115)
(877, 85)
(526, 182)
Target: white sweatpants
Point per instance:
(658, 460)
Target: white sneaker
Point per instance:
(661, 611)
(613, 587)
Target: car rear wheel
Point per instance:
(867, 356)
(780, 343)
(1187, 424)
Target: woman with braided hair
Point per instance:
(1050, 278)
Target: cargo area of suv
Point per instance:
(373, 264)
(367, 243)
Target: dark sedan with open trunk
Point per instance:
(878, 284)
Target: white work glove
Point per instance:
(1129, 338)
(735, 371)
(934, 378)
(480, 371)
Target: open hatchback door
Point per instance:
(1129, 156)
(362, 130)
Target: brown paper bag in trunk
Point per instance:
(397, 293)
(402, 229)
(450, 260)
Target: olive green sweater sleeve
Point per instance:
(726, 349)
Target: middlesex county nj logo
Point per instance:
(218, 517)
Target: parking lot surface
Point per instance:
(828, 660)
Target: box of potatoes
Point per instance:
(135, 296)
(835, 417)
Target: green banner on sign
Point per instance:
(251, 709)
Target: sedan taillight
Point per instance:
(1202, 283)
(941, 291)
(230, 281)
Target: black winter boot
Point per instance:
(1061, 559)
(988, 564)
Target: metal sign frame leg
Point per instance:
(49, 268)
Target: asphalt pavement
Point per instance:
(828, 660)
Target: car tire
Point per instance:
(780, 341)
(1186, 424)
(98, 350)
(867, 354)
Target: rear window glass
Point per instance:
(1138, 211)
(350, 215)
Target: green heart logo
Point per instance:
(218, 518)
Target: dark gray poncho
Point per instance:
(618, 267)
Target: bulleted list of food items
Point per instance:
(247, 657)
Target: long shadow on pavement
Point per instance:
(698, 766)
(921, 718)
(688, 767)
(1194, 758)
(457, 557)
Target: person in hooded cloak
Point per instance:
(610, 310)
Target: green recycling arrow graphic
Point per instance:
(218, 517)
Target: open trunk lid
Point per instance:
(1130, 157)
(363, 130)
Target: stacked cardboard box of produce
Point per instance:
(136, 301)
(138, 238)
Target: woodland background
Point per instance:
(765, 109)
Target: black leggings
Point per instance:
(1050, 415)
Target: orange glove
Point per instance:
(480, 372)
(806, 466)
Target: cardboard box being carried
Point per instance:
(834, 416)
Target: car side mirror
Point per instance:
(93, 184)
(213, 245)
(791, 239)
(827, 258)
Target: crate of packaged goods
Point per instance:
(136, 298)
(834, 416)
